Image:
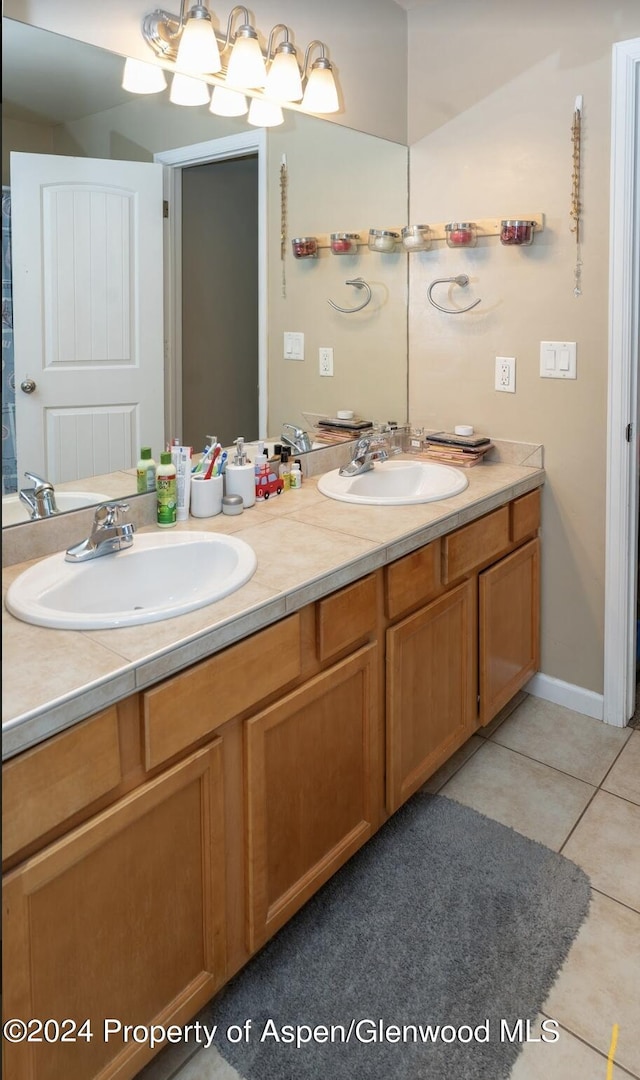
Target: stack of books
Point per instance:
(461, 450)
(335, 430)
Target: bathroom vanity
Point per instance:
(235, 779)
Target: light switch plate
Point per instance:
(558, 360)
(293, 345)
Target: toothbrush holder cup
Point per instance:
(206, 496)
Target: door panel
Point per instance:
(88, 313)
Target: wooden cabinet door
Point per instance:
(509, 627)
(431, 699)
(122, 919)
(310, 788)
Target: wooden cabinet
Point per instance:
(454, 662)
(151, 849)
(509, 627)
(431, 695)
(310, 788)
(122, 918)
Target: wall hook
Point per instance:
(462, 280)
(359, 284)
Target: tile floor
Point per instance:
(573, 784)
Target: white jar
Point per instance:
(383, 240)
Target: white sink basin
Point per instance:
(395, 483)
(14, 512)
(159, 577)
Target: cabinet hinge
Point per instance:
(165, 208)
(629, 432)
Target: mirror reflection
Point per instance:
(224, 367)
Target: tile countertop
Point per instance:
(307, 546)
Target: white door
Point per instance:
(87, 248)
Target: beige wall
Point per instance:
(338, 181)
(490, 128)
(28, 138)
(364, 38)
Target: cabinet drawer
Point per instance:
(184, 709)
(346, 618)
(525, 516)
(412, 580)
(475, 544)
(46, 785)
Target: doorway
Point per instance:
(621, 565)
(179, 164)
(220, 301)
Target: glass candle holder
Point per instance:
(416, 238)
(461, 234)
(383, 240)
(305, 247)
(344, 243)
(515, 231)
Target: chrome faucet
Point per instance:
(109, 533)
(298, 440)
(41, 498)
(368, 450)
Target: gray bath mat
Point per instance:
(444, 918)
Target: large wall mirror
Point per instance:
(62, 98)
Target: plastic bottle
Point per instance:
(284, 470)
(167, 495)
(296, 475)
(145, 472)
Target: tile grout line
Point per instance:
(596, 1049)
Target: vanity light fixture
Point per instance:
(236, 60)
(263, 113)
(198, 52)
(185, 90)
(284, 81)
(246, 69)
(142, 78)
(226, 102)
(321, 95)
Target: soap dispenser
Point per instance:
(239, 475)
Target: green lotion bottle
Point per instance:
(166, 491)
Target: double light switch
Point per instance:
(558, 360)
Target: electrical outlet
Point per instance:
(506, 374)
(325, 357)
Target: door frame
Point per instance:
(621, 560)
(231, 146)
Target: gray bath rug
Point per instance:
(422, 959)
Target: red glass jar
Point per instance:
(516, 232)
(344, 243)
(461, 234)
(305, 247)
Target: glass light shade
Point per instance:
(321, 95)
(226, 102)
(141, 78)
(264, 113)
(284, 82)
(246, 64)
(198, 52)
(185, 90)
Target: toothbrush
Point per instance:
(221, 463)
(210, 471)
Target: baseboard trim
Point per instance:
(563, 693)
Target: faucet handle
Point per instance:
(108, 514)
(38, 483)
